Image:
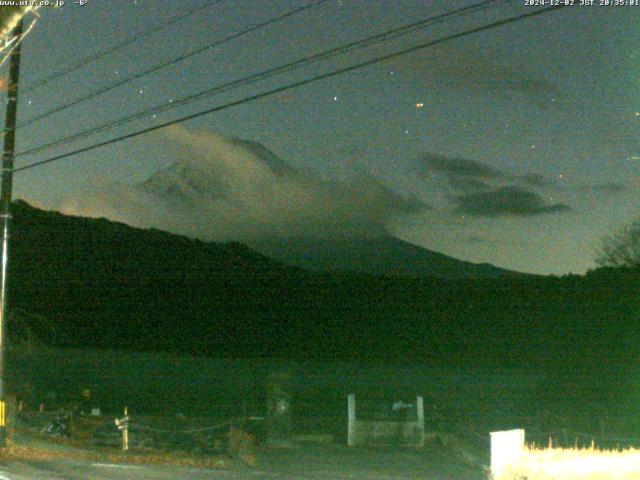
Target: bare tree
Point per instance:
(621, 249)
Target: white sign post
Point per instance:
(506, 450)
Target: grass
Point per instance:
(575, 463)
(37, 448)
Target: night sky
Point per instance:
(517, 146)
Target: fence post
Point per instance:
(351, 428)
(125, 432)
(279, 409)
(420, 419)
(506, 450)
(123, 426)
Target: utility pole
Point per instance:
(5, 210)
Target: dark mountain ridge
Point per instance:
(385, 255)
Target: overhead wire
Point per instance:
(290, 86)
(269, 73)
(173, 61)
(118, 46)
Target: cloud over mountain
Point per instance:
(483, 190)
(480, 71)
(467, 176)
(506, 201)
(459, 167)
(604, 187)
(230, 189)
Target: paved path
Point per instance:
(327, 463)
(79, 470)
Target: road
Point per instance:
(80, 470)
(328, 463)
(76, 470)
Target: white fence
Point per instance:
(408, 432)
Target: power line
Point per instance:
(173, 61)
(118, 46)
(304, 61)
(297, 84)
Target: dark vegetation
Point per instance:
(104, 285)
